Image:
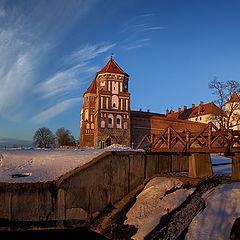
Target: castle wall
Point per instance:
(147, 123)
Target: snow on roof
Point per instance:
(39, 165)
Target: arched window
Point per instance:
(119, 121)
(110, 121)
(86, 115)
(115, 101)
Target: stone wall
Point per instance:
(85, 191)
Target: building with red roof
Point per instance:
(203, 113)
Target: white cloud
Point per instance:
(19, 60)
(55, 110)
(154, 28)
(137, 44)
(3, 13)
(139, 31)
(147, 15)
(28, 34)
(142, 27)
(61, 82)
(16, 81)
(64, 81)
(89, 52)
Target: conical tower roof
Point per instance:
(112, 67)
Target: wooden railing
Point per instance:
(210, 139)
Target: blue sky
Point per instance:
(50, 51)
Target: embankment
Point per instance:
(85, 191)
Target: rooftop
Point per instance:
(233, 98)
(195, 111)
(112, 67)
(93, 87)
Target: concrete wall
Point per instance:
(200, 165)
(85, 191)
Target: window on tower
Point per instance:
(110, 121)
(115, 101)
(119, 121)
(102, 83)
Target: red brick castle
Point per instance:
(106, 116)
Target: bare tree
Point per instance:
(224, 93)
(64, 138)
(43, 138)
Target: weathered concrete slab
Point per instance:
(200, 165)
(5, 204)
(136, 171)
(236, 166)
(180, 163)
(164, 163)
(151, 167)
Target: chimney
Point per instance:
(179, 110)
(140, 109)
(148, 110)
(200, 107)
(193, 105)
(167, 111)
(185, 108)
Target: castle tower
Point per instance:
(106, 108)
(87, 116)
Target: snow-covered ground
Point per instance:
(221, 169)
(46, 164)
(49, 164)
(152, 203)
(216, 220)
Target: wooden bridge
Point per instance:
(208, 140)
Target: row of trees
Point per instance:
(44, 138)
